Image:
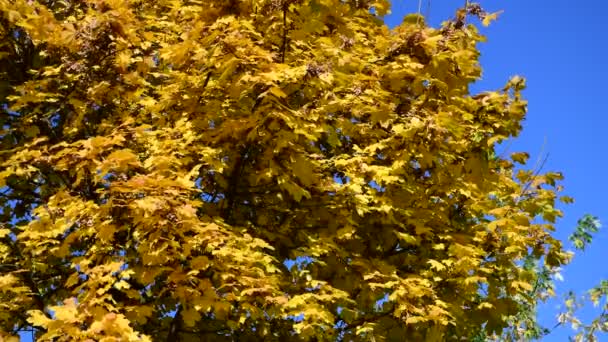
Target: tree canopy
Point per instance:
(248, 170)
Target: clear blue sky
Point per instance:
(560, 47)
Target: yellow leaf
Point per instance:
(485, 305)
(123, 59)
(302, 168)
(566, 199)
(277, 92)
(121, 285)
(296, 191)
(521, 285)
(415, 319)
(498, 223)
(488, 18)
(106, 231)
(190, 316)
(50, 71)
(367, 328)
(407, 238)
(4, 232)
(436, 265)
(32, 131)
(200, 263)
(123, 157)
(38, 319)
(520, 157)
(512, 249)
(148, 102)
(439, 246)
(474, 280)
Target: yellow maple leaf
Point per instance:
(488, 18)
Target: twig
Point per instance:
(174, 328)
(284, 48)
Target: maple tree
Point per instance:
(260, 170)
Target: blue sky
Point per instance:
(560, 48)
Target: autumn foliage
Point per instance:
(260, 170)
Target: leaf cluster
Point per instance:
(259, 170)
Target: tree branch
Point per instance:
(233, 183)
(284, 47)
(29, 279)
(175, 327)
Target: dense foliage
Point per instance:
(260, 170)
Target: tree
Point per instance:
(581, 238)
(260, 170)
